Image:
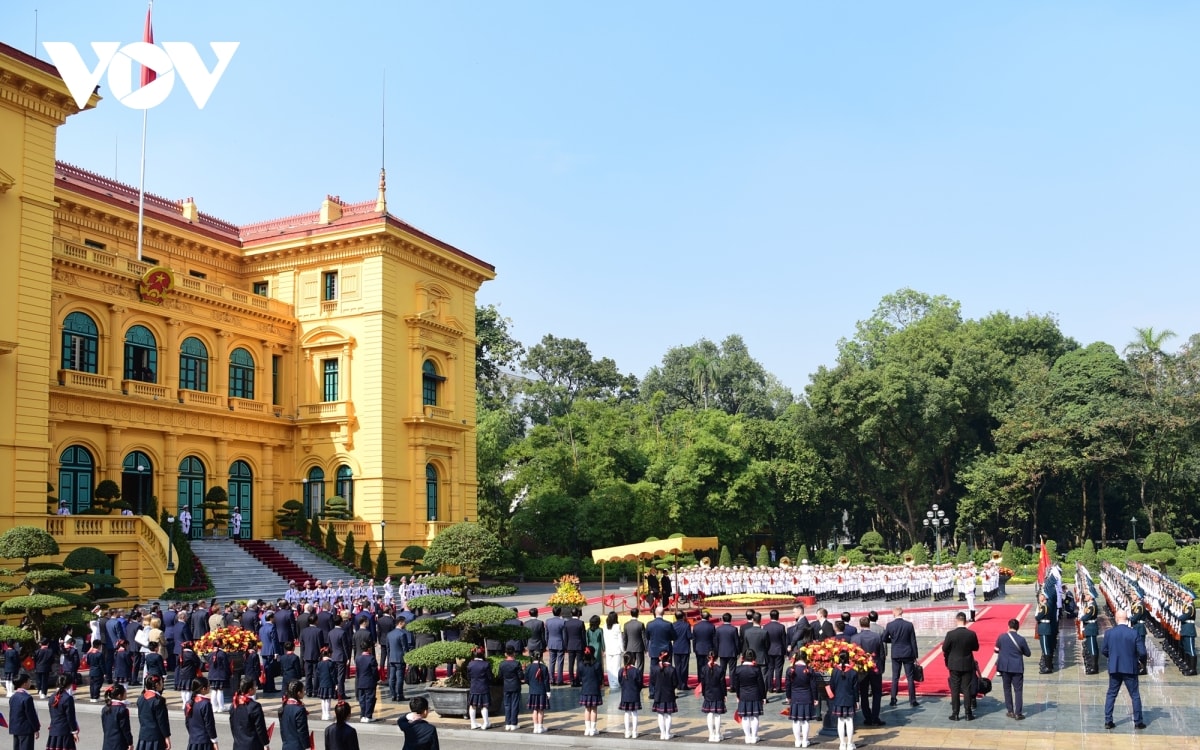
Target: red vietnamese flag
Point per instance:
(148, 74)
(270, 731)
(1043, 564)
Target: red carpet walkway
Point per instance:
(991, 621)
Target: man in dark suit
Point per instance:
(169, 618)
(312, 640)
(341, 652)
(400, 642)
(902, 636)
(555, 637)
(822, 628)
(659, 636)
(749, 623)
(704, 640)
(850, 629)
(681, 650)
(729, 645)
(537, 632)
(574, 641)
(633, 639)
(285, 626)
(958, 649)
(1124, 652)
(754, 638)
(870, 690)
(1011, 648)
(776, 648)
(798, 635)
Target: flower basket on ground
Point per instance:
(232, 639)
(567, 593)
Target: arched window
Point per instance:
(141, 355)
(241, 496)
(345, 486)
(191, 492)
(76, 477)
(429, 383)
(431, 493)
(241, 374)
(193, 365)
(137, 481)
(80, 343)
(314, 492)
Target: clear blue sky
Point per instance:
(646, 174)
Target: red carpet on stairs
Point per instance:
(269, 556)
(991, 621)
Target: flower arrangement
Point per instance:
(232, 638)
(567, 593)
(823, 656)
(1006, 572)
(741, 601)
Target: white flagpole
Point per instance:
(142, 171)
(142, 190)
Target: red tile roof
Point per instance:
(28, 59)
(245, 236)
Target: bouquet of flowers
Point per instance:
(1006, 572)
(232, 638)
(823, 656)
(567, 593)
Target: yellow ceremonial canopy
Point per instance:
(649, 551)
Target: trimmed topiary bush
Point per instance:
(725, 559)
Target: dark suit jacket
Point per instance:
(1123, 649)
(959, 649)
(798, 634)
(285, 627)
(1010, 647)
(312, 639)
(776, 638)
(756, 638)
(903, 637)
(704, 635)
(683, 637)
(366, 672)
(659, 636)
(634, 637)
(23, 717)
(418, 735)
(537, 634)
(872, 643)
(555, 639)
(821, 629)
(729, 641)
(574, 638)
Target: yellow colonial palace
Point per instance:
(327, 353)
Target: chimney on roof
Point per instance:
(381, 201)
(190, 212)
(331, 210)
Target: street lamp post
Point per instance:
(1134, 522)
(171, 543)
(970, 527)
(141, 489)
(935, 518)
(382, 534)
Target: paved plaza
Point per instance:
(1063, 709)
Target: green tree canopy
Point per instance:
(468, 546)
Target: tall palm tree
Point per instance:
(703, 368)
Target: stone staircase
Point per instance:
(235, 573)
(317, 566)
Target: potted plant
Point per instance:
(470, 548)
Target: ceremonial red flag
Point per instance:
(3, 722)
(312, 741)
(270, 731)
(148, 74)
(1043, 564)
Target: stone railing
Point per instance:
(87, 380)
(326, 411)
(145, 390)
(201, 398)
(252, 407)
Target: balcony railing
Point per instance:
(145, 390)
(87, 380)
(326, 411)
(438, 412)
(199, 287)
(251, 407)
(201, 398)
